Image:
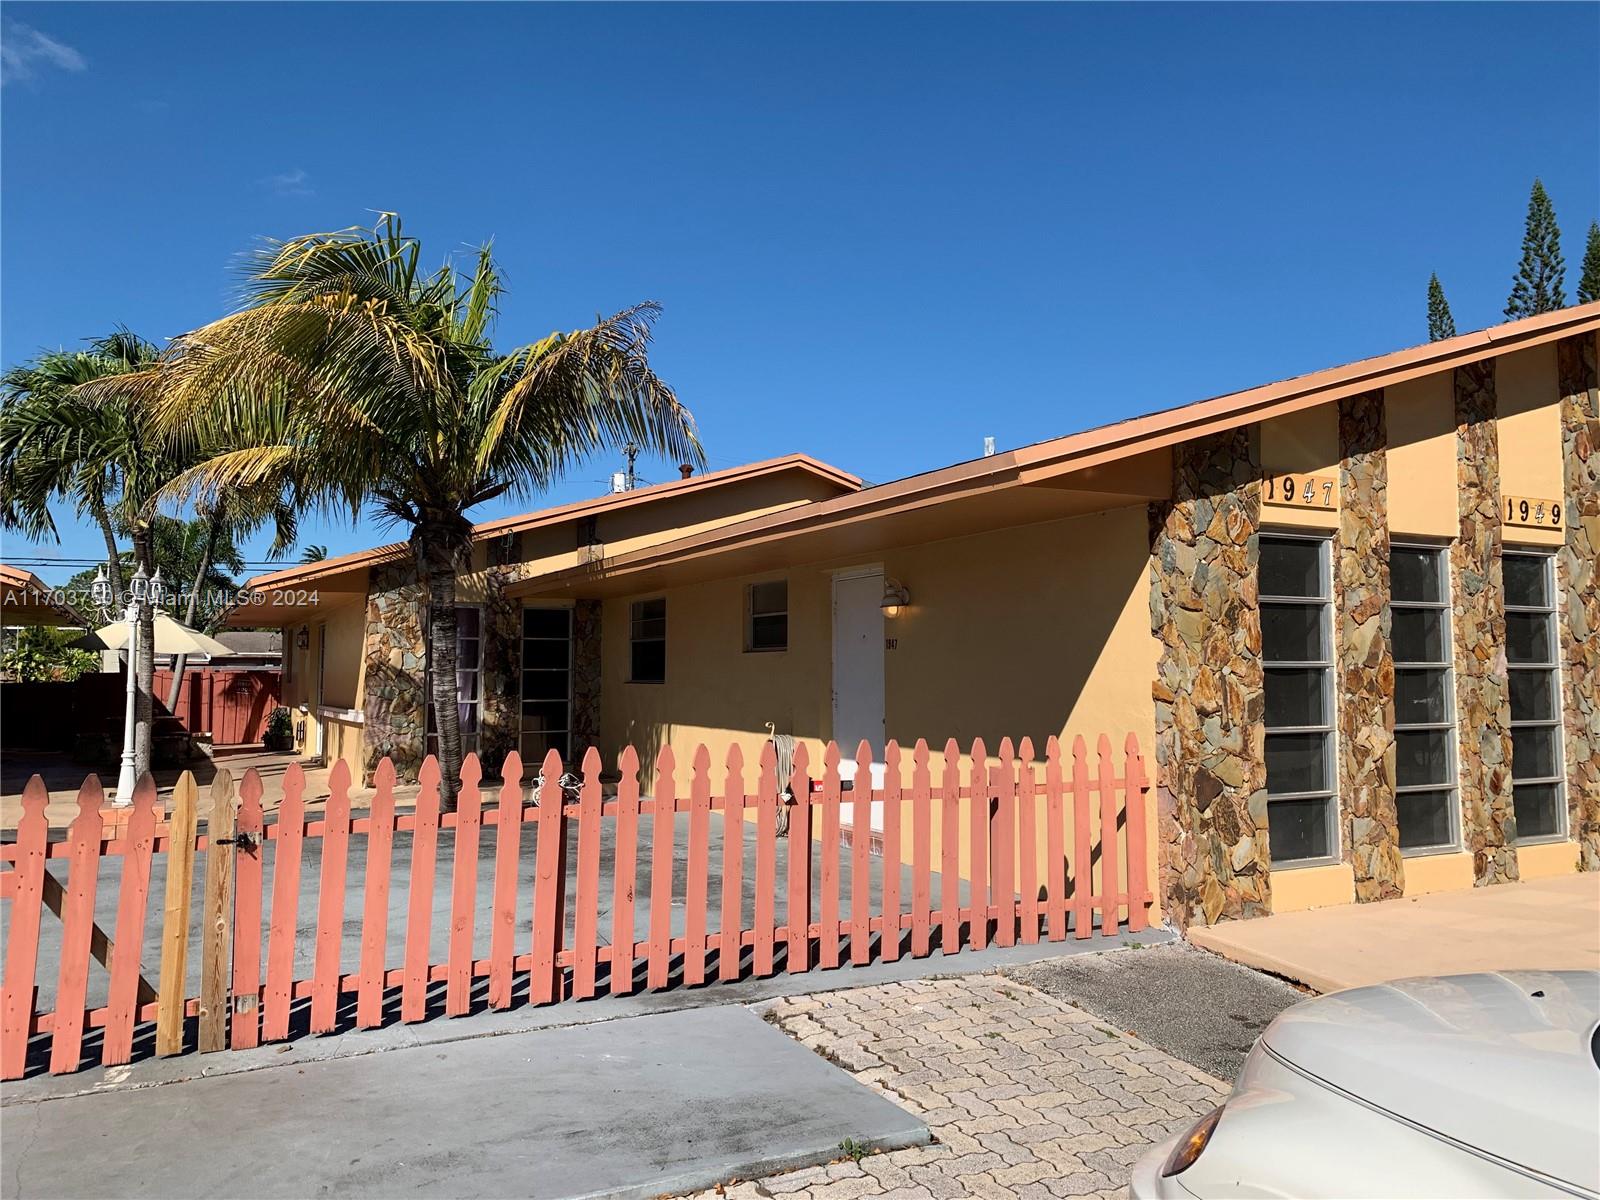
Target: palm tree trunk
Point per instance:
(97, 506)
(182, 660)
(145, 676)
(436, 564)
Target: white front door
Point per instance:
(858, 670)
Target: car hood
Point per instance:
(1501, 1062)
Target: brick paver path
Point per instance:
(1027, 1096)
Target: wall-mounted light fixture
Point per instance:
(303, 638)
(895, 597)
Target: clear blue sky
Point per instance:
(880, 233)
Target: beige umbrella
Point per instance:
(172, 637)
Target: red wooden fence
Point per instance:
(991, 888)
(231, 706)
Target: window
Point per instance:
(546, 719)
(1424, 709)
(647, 641)
(766, 618)
(469, 671)
(1536, 764)
(1296, 619)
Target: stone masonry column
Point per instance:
(585, 677)
(1364, 656)
(1210, 741)
(394, 692)
(1483, 704)
(502, 656)
(1580, 591)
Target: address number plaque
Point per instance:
(1533, 512)
(1289, 490)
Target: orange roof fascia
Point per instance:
(310, 572)
(1107, 443)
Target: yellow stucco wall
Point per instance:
(1530, 435)
(1427, 873)
(1312, 887)
(1546, 859)
(343, 625)
(1301, 443)
(1422, 458)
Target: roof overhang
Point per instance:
(26, 600)
(1127, 462)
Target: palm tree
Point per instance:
(314, 553)
(361, 379)
(101, 455)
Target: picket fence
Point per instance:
(1016, 888)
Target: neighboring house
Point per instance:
(253, 650)
(25, 599)
(1346, 616)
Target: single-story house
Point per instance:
(1351, 618)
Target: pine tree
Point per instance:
(1589, 282)
(1537, 285)
(1441, 324)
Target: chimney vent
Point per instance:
(685, 470)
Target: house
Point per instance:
(1349, 617)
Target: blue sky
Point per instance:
(880, 233)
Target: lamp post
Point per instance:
(143, 590)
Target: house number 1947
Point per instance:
(1301, 491)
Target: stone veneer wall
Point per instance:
(1483, 704)
(393, 700)
(1210, 741)
(1364, 657)
(502, 656)
(1577, 571)
(585, 676)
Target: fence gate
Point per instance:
(964, 852)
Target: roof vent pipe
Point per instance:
(685, 470)
(988, 447)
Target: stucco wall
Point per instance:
(1529, 430)
(1422, 458)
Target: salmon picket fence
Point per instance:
(778, 875)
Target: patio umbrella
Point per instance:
(172, 637)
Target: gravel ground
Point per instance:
(1194, 1005)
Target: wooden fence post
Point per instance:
(696, 890)
(173, 985)
(507, 854)
(464, 889)
(549, 886)
(978, 855)
(330, 901)
(1082, 851)
(950, 851)
(889, 893)
(730, 942)
(828, 876)
(586, 915)
(1027, 810)
(375, 902)
(216, 923)
(799, 905)
(22, 934)
(1055, 843)
(247, 877)
(1003, 845)
(663, 814)
(419, 904)
(1138, 874)
(765, 919)
(122, 999)
(1109, 889)
(626, 867)
(921, 850)
(285, 906)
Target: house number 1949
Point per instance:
(1530, 511)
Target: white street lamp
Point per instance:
(139, 593)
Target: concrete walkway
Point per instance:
(629, 1108)
(1549, 924)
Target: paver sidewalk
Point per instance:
(1027, 1096)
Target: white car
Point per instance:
(1456, 1086)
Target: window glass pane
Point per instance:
(1419, 697)
(769, 597)
(545, 653)
(650, 627)
(1298, 829)
(545, 622)
(1421, 756)
(534, 746)
(1418, 635)
(769, 633)
(467, 685)
(1538, 808)
(649, 662)
(1292, 632)
(1532, 695)
(467, 622)
(1295, 697)
(1424, 818)
(544, 715)
(1297, 762)
(1525, 580)
(1533, 753)
(1414, 575)
(544, 685)
(1528, 638)
(1291, 567)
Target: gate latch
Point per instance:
(244, 841)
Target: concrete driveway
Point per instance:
(1548, 924)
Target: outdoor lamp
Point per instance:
(140, 586)
(895, 597)
(158, 589)
(303, 638)
(100, 590)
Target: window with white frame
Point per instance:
(1424, 707)
(647, 641)
(469, 674)
(766, 615)
(1296, 648)
(546, 719)
(1535, 684)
